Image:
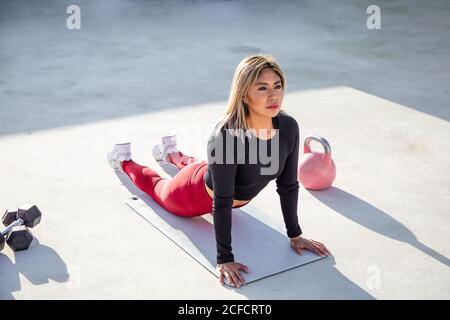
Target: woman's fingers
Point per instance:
(233, 276)
(299, 251)
(315, 249)
(322, 249)
(244, 268)
(241, 278)
(325, 249)
(297, 248)
(235, 279)
(314, 246)
(322, 246)
(230, 279)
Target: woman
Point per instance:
(232, 177)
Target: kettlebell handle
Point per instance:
(321, 140)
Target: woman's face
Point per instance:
(265, 92)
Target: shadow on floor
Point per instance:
(38, 265)
(372, 218)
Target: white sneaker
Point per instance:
(120, 152)
(157, 153)
(169, 145)
(161, 153)
(172, 139)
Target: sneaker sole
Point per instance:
(111, 162)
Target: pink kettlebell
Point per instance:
(316, 170)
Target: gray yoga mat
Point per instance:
(258, 242)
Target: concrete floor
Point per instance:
(138, 70)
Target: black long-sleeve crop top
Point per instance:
(239, 167)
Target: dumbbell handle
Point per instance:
(16, 223)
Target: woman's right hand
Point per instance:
(231, 271)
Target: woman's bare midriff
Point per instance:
(236, 203)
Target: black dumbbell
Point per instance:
(30, 215)
(16, 234)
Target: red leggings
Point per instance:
(184, 194)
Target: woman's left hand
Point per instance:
(299, 243)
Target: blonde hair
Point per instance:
(246, 74)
